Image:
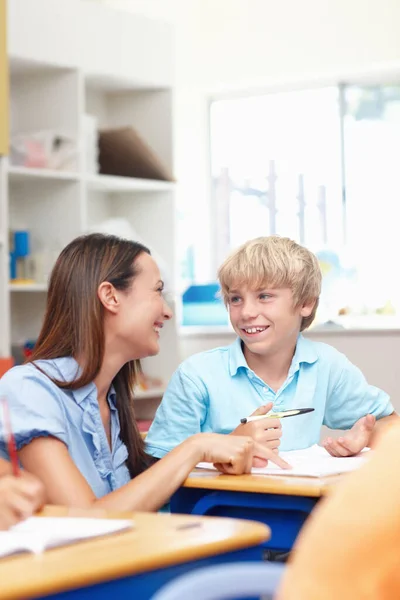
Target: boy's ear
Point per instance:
(307, 308)
(108, 296)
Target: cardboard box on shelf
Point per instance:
(124, 153)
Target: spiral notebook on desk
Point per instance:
(41, 533)
(309, 462)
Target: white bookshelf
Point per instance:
(21, 174)
(114, 184)
(52, 87)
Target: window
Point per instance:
(275, 163)
(371, 154)
(319, 166)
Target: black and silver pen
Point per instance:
(277, 415)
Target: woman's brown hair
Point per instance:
(73, 322)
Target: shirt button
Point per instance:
(265, 390)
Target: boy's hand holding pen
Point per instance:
(267, 431)
(264, 425)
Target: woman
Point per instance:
(72, 404)
(19, 496)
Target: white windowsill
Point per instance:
(370, 325)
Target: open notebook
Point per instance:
(40, 533)
(310, 462)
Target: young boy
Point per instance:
(271, 287)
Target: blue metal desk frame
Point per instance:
(144, 585)
(284, 514)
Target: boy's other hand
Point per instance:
(20, 497)
(354, 440)
(265, 431)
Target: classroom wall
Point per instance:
(236, 42)
(227, 45)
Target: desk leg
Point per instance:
(145, 585)
(285, 515)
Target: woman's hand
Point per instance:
(235, 454)
(20, 497)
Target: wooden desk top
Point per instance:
(265, 484)
(157, 540)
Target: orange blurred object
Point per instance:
(145, 382)
(6, 364)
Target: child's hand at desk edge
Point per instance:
(20, 497)
(354, 440)
(266, 431)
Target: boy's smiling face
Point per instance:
(266, 319)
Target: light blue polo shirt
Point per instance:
(39, 408)
(213, 390)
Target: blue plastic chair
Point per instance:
(225, 582)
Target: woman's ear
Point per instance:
(108, 296)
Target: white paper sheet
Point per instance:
(310, 462)
(39, 533)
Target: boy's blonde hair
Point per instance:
(274, 261)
